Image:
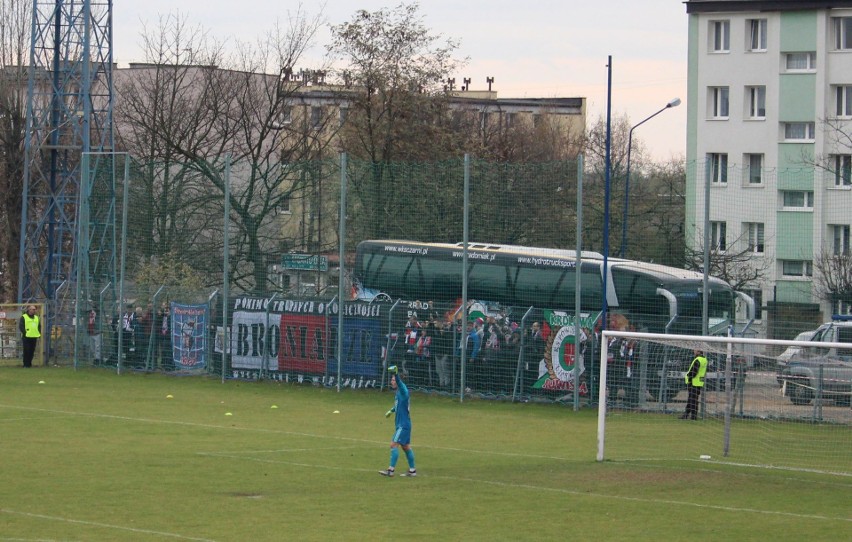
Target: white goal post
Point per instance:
(758, 407)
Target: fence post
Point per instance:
(150, 356)
(327, 333)
(519, 388)
(264, 364)
(209, 349)
(225, 264)
(578, 283)
(388, 344)
(465, 236)
(125, 197)
(341, 266)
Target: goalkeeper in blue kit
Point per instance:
(402, 434)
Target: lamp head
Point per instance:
(673, 103)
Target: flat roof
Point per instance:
(714, 6)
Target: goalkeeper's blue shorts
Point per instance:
(402, 436)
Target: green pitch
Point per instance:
(89, 455)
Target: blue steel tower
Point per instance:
(68, 234)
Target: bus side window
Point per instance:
(443, 278)
(637, 293)
(413, 278)
(530, 288)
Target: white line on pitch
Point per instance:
(287, 450)
(559, 490)
(39, 418)
(280, 432)
(104, 525)
(302, 434)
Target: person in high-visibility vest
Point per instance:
(694, 384)
(30, 328)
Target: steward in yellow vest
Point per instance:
(30, 328)
(697, 369)
(694, 383)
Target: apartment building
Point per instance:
(768, 144)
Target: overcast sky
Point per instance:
(533, 48)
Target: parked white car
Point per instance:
(794, 350)
(815, 371)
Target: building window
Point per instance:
(718, 167)
(799, 62)
(797, 200)
(316, 116)
(510, 119)
(717, 233)
(720, 36)
(842, 169)
(754, 233)
(756, 34)
(283, 206)
(757, 295)
(797, 268)
(286, 115)
(841, 307)
(719, 102)
(799, 131)
(843, 33)
(756, 99)
(843, 100)
(755, 168)
(840, 234)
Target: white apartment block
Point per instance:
(770, 127)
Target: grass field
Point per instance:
(89, 455)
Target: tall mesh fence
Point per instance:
(158, 303)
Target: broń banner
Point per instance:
(293, 338)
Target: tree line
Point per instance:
(196, 114)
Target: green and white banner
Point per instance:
(565, 344)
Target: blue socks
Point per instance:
(394, 457)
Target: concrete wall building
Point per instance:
(769, 120)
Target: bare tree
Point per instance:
(833, 280)
(736, 264)
(155, 110)
(657, 213)
(595, 167)
(833, 277)
(15, 20)
(195, 113)
(398, 107)
(838, 133)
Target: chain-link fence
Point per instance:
(159, 288)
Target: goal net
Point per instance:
(778, 404)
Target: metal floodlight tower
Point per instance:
(69, 115)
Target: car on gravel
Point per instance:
(818, 371)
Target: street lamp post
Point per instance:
(672, 103)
